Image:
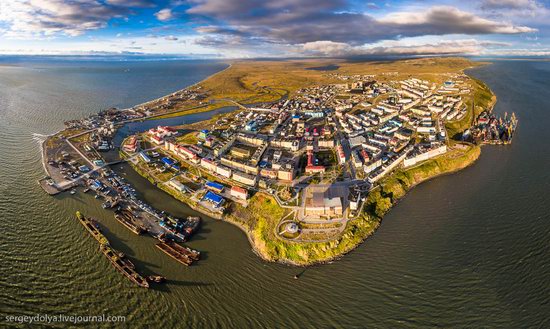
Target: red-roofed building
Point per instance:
(131, 144)
(156, 139)
(315, 169)
(239, 192)
(187, 154)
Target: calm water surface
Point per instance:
(468, 250)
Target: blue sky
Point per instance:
(282, 28)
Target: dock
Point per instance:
(49, 186)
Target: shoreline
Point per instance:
(369, 234)
(182, 89)
(47, 136)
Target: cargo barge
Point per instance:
(124, 265)
(184, 255)
(91, 226)
(117, 259)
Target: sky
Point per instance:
(275, 28)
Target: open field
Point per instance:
(249, 82)
(262, 81)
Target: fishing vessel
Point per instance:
(156, 278)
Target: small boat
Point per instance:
(73, 192)
(156, 278)
(86, 190)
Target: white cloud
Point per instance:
(449, 20)
(81, 46)
(133, 3)
(510, 4)
(514, 9)
(329, 48)
(165, 14)
(444, 47)
(32, 18)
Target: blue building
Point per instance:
(216, 187)
(144, 157)
(203, 134)
(168, 162)
(214, 198)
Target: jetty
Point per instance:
(490, 129)
(49, 186)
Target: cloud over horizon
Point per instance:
(297, 22)
(275, 28)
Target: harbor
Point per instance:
(81, 159)
(316, 155)
(490, 129)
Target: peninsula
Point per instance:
(307, 158)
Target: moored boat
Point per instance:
(176, 253)
(124, 265)
(156, 278)
(125, 219)
(92, 227)
(192, 254)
